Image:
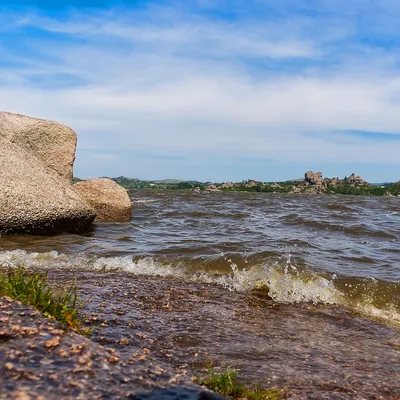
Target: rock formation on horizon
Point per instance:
(314, 183)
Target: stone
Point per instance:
(352, 180)
(51, 142)
(296, 190)
(251, 184)
(314, 178)
(35, 199)
(178, 393)
(212, 188)
(110, 201)
(227, 185)
(314, 189)
(334, 181)
(276, 186)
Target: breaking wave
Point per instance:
(282, 280)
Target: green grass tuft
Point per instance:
(260, 394)
(226, 383)
(32, 289)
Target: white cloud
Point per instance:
(190, 84)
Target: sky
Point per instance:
(212, 90)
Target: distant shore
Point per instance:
(313, 183)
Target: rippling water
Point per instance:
(320, 249)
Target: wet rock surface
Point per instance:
(160, 332)
(312, 352)
(178, 394)
(41, 360)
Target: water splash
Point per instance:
(282, 280)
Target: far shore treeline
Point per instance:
(313, 183)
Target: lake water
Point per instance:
(335, 250)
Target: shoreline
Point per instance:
(310, 351)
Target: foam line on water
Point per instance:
(284, 284)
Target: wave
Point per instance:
(353, 230)
(144, 201)
(280, 278)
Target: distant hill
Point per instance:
(168, 181)
(383, 184)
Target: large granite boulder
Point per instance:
(109, 200)
(51, 142)
(34, 198)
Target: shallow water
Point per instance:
(319, 249)
(312, 352)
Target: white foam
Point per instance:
(284, 283)
(144, 201)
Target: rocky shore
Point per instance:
(313, 183)
(42, 360)
(161, 332)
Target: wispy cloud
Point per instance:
(213, 82)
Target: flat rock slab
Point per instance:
(40, 360)
(178, 394)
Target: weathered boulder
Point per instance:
(251, 184)
(227, 185)
(51, 142)
(314, 178)
(313, 184)
(355, 180)
(212, 188)
(314, 189)
(296, 189)
(179, 393)
(334, 181)
(110, 201)
(34, 199)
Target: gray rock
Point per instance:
(51, 142)
(251, 184)
(212, 188)
(227, 185)
(110, 201)
(355, 180)
(178, 394)
(34, 199)
(314, 178)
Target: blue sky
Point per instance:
(211, 89)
